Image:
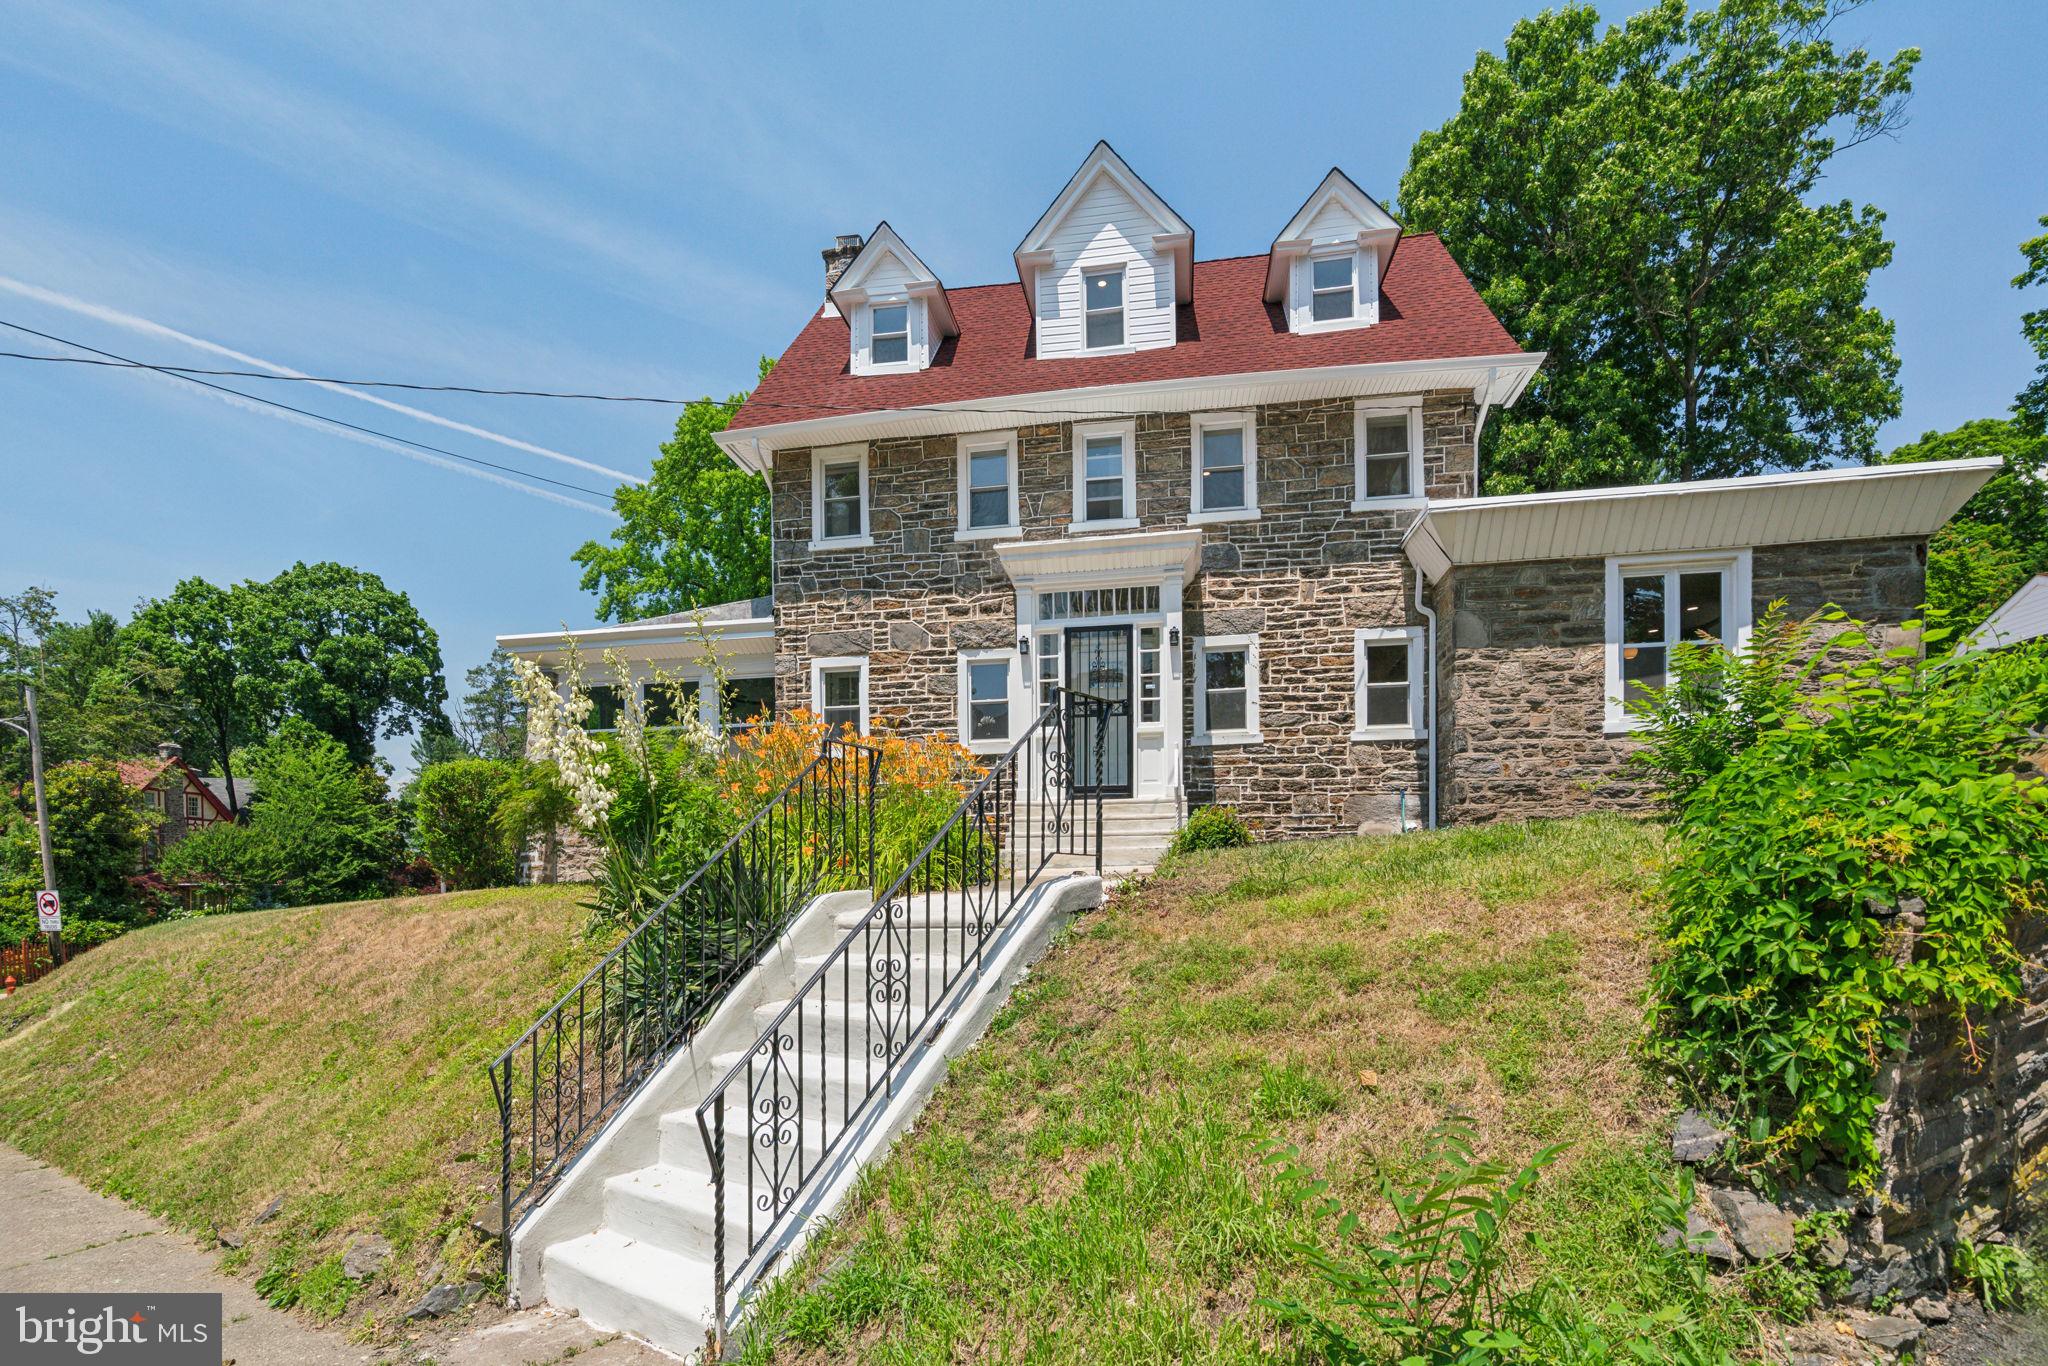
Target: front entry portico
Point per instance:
(1102, 614)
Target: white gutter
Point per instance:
(1190, 393)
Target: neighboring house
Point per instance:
(2023, 616)
(1243, 495)
(186, 799)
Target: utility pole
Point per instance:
(35, 763)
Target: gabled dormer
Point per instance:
(1326, 265)
(1106, 266)
(894, 306)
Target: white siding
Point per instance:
(2024, 616)
(889, 277)
(1105, 228)
(1334, 223)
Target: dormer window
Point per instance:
(1103, 291)
(1334, 294)
(891, 343)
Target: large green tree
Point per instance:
(695, 534)
(213, 642)
(2032, 405)
(1638, 201)
(1999, 539)
(348, 654)
(97, 834)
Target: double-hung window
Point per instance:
(985, 699)
(1656, 602)
(1388, 667)
(1102, 307)
(889, 341)
(839, 496)
(1226, 474)
(988, 485)
(839, 693)
(1388, 466)
(1333, 291)
(1105, 480)
(1227, 690)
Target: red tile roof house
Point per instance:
(1243, 495)
(185, 798)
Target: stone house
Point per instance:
(1243, 496)
(184, 798)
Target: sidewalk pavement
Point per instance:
(56, 1235)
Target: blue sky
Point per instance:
(634, 201)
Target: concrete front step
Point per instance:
(672, 1208)
(622, 1285)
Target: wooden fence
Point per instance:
(30, 959)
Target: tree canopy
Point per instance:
(695, 534)
(1635, 201)
(1999, 539)
(2032, 405)
(202, 634)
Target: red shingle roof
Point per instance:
(1428, 311)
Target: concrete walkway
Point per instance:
(56, 1235)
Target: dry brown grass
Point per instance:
(333, 1055)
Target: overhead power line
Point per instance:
(190, 376)
(993, 405)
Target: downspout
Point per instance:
(1429, 714)
(1479, 427)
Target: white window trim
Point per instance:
(1735, 569)
(1128, 433)
(1205, 422)
(1307, 302)
(1166, 652)
(1218, 738)
(1006, 442)
(835, 663)
(910, 362)
(1122, 310)
(820, 457)
(1008, 659)
(1418, 724)
(1366, 408)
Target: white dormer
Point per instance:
(1326, 264)
(1105, 266)
(894, 306)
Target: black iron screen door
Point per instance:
(1099, 662)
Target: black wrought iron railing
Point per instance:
(577, 1065)
(778, 1118)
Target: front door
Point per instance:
(1099, 663)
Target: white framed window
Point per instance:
(1149, 661)
(839, 497)
(747, 702)
(1386, 442)
(606, 706)
(1052, 666)
(1387, 665)
(988, 485)
(839, 692)
(1655, 601)
(889, 334)
(1102, 308)
(985, 692)
(1226, 468)
(1105, 475)
(1333, 288)
(1227, 690)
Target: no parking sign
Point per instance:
(49, 912)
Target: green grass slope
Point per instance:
(1088, 1185)
(332, 1055)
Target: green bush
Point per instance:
(1211, 827)
(1853, 838)
(455, 819)
(98, 830)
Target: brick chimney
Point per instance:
(839, 256)
(169, 749)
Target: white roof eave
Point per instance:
(1872, 502)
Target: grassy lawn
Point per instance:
(332, 1055)
(1088, 1185)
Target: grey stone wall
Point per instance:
(1302, 576)
(1525, 684)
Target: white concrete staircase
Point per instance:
(627, 1238)
(1135, 833)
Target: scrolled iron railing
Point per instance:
(576, 1066)
(842, 1040)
